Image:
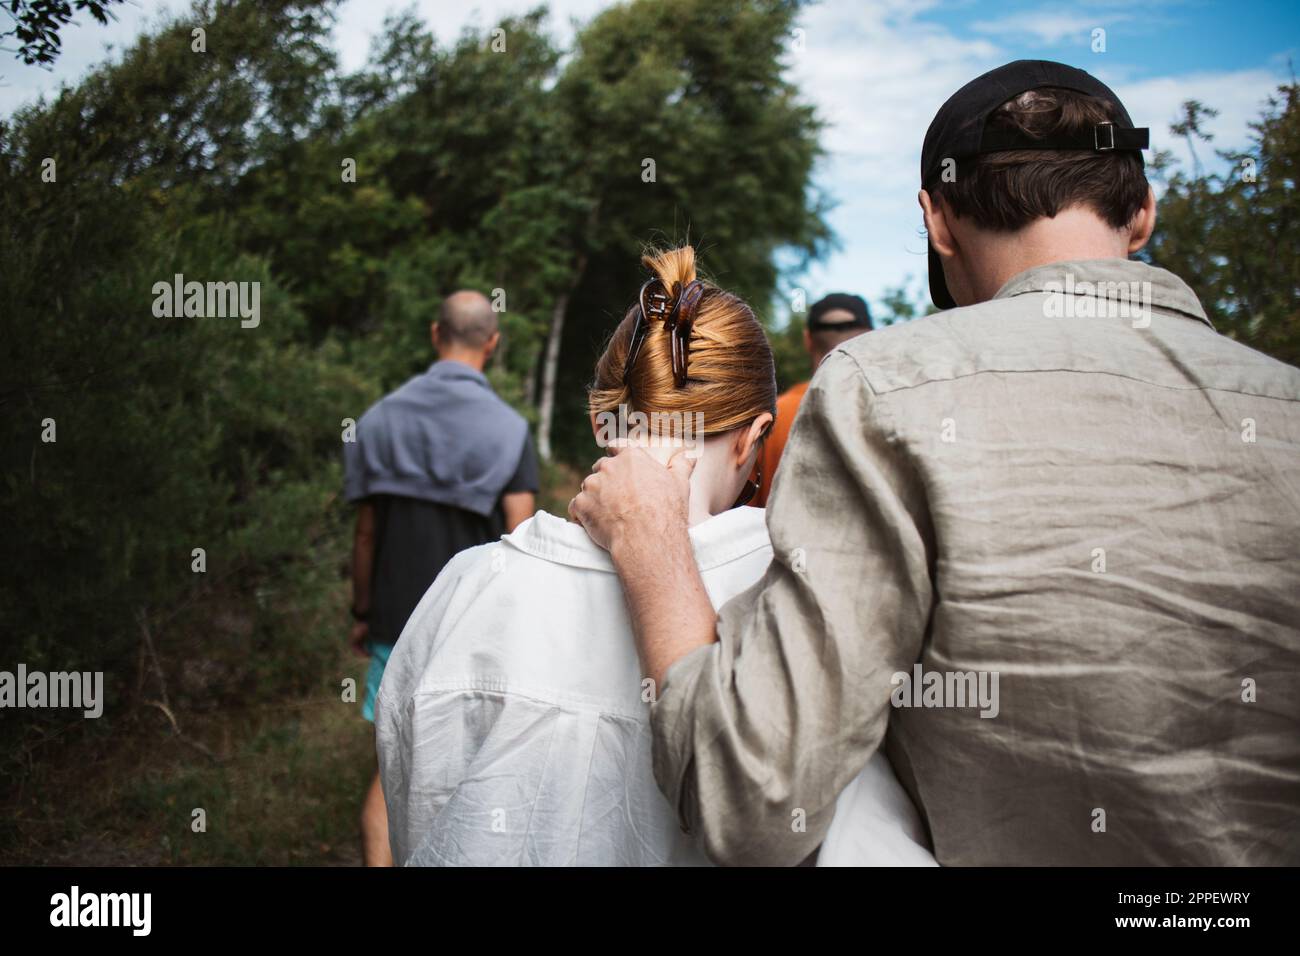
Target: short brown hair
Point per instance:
(1005, 191)
(731, 377)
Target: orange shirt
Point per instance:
(786, 407)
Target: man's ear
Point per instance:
(1144, 223)
(807, 340)
(433, 336)
(936, 225)
(491, 345)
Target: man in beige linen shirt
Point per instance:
(1044, 548)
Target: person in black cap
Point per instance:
(1042, 546)
(832, 320)
(1033, 142)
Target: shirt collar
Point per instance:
(722, 538)
(1110, 279)
(453, 369)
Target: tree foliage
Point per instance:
(36, 24)
(1235, 236)
(499, 162)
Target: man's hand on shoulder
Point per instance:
(637, 509)
(630, 498)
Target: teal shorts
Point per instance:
(378, 661)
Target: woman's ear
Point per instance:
(603, 429)
(749, 437)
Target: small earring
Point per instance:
(751, 488)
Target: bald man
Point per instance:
(439, 465)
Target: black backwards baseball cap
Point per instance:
(958, 131)
(836, 301)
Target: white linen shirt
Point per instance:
(513, 720)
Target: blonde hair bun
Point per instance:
(731, 377)
(671, 265)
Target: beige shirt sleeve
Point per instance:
(756, 735)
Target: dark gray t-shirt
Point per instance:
(415, 539)
(434, 457)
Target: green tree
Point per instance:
(1234, 237)
(674, 121)
(36, 24)
(168, 433)
(491, 162)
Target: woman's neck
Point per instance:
(705, 480)
(698, 509)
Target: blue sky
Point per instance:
(877, 70)
(1153, 38)
(887, 66)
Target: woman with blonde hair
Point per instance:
(513, 719)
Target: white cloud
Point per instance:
(1238, 95)
(878, 73)
(1047, 27)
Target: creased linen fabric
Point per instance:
(1102, 511)
(512, 722)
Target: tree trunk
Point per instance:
(550, 369)
(551, 363)
(530, 382)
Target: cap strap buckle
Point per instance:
(1097, 138)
